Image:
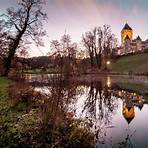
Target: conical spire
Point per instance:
(138, 38)
(126, 27)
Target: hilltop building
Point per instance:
(126, 34)
(130, 45)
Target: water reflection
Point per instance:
(116, 116)
(108, 83)
(128, 110)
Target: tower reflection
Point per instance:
(128, 110)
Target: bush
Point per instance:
(23, 124)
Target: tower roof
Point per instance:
(126, 27)
(146, 40)
(129, 120)
(138, 38)
(140, 107)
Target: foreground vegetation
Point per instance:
(28, 119)
(133, 63)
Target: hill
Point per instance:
(135, 63)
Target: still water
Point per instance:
(117, 115)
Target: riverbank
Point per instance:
(138, 84)
(4, 83)
(133, 64)
(29, 119)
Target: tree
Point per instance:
(24, 54)
(23, 24)
(64, 52)
(107, 42)
(87, 40)
(99, 43)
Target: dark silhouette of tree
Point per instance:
(99, 43)
(99, 108)
(88, 40)
(64, 52)
(23, 24)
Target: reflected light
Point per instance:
(108, 82)
(120, 93)
(128, 112)
(119, 52)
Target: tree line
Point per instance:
(21, 26)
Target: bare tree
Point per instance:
(87, 40)
(99, 43)
(23, 24)
(106, 41)
(65, 53)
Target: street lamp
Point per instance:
(108, 62)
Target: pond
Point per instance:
(115, 106)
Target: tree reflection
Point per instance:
(100, 102)
(95, 90)
(99, 107)
(126, 143)
(59, 102)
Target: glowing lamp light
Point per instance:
(108, 62)
(108, 83)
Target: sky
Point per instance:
(75, 17)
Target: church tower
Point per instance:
(126, 32)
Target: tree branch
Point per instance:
(17, 27)
(32, 21)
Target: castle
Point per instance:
(130, 45)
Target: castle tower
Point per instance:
(126, 32)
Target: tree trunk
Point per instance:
(15, 43)
(91, 62)
(8, 62)
(99, 57)
(11, 53)
(91, 59)
(12, 50)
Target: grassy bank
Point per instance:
(136, 87)
(4, 83)
(8, 115)
(135, 63)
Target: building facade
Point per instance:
(130, 45)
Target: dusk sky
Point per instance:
(79, 16)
